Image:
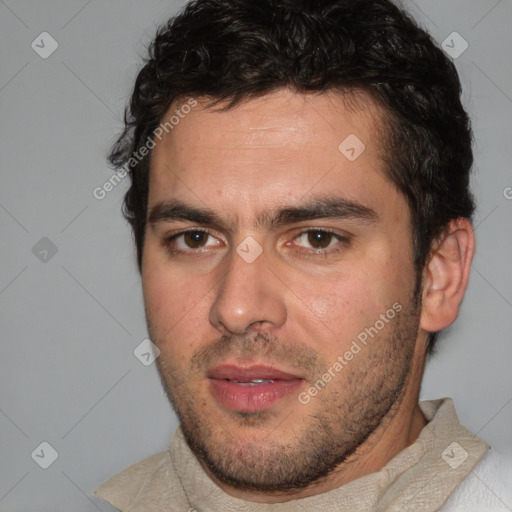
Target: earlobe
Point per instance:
(446, 275)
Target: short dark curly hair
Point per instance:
(234, 50)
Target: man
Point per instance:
(303, 231)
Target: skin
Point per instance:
(299, 305)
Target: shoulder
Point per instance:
(487, 488)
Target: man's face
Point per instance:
(276, 264)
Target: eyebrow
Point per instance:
(320, 208)
(316, 208)
(167, 211)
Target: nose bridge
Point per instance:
(248, 293)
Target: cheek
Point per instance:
(341, 301)
(177, 309)
(334, 311)
(336, 308)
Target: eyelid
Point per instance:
(166, 241)
(335, 232)
(187, 230)
(342, 238)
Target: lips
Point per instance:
(248, 373)
(251, 388)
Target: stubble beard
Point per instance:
(347, 411)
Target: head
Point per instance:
(310, 201)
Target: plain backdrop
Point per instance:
(70, 299)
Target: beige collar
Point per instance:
(420, 478)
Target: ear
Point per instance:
(446, 275)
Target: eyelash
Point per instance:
(167, 242)
(343, 241)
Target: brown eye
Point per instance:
(319, 239)
(195, 239)
(320, 242)
(192, 241)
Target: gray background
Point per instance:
(68, 375)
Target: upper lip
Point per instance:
(246, 373)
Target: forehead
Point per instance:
(274, 150)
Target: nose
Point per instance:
(248, 296)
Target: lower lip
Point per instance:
(252, 398)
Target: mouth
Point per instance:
(251, 388)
